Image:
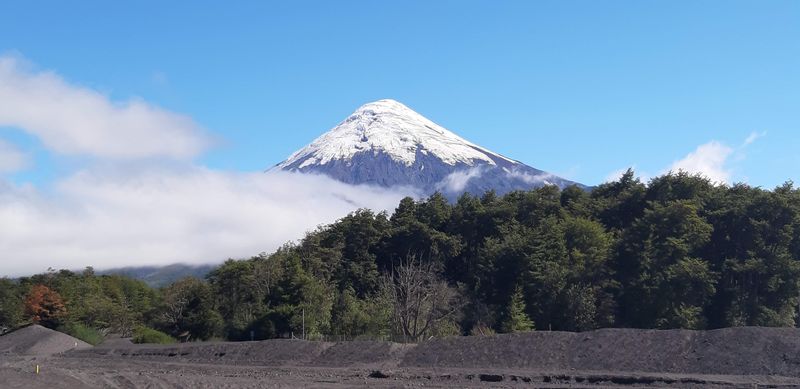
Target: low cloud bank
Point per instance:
(140, 200)
(113, 218)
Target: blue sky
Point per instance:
(577, 88)
(169, 99)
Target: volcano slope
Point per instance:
(727, 358)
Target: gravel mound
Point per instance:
(277, 352)
(362, 354)
(539, 350)
(731, 351)
(36, 340)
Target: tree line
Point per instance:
(676, 252)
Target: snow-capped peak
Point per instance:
(387, 126)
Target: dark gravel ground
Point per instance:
(738, 351)
(612, 358)
(37, 340)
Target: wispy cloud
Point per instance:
(120, 217)
(71, 119)
(12, 159)
(456, 182)
(753, 137)
(533, 179)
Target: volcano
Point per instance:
(387, 144)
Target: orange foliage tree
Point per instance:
(44, 306)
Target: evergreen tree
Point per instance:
(516, 319)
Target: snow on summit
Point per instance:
(390, 127)
(387, 144)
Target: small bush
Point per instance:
(149, 335)
(82, 332)
(481, 329)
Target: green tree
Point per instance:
(754, 249)
(516, 319)
(660, 258)
(298, 302)
(359, 234)
(353, 318)
(188, 310)
(239, 296)
(590, 301)
(11, 309)
(580, 308)
(618, 204)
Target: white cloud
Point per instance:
(534, 179)
(617, 174)
(753, 137)
(457, 181)
(193, 215)
(140, 202)
(71, 119)
(708, 160)
(712, 160)
(11, 158)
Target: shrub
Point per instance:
(480, 329)
(149, 335)
(82, 332)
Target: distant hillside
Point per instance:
(158, 276)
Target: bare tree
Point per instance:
(266, 272)
(420, 298)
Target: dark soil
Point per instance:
(739, 351)
(611, 358)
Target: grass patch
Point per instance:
(82, 332)
(149, 335)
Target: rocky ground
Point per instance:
(613, 358)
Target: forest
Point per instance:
(676, 252)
